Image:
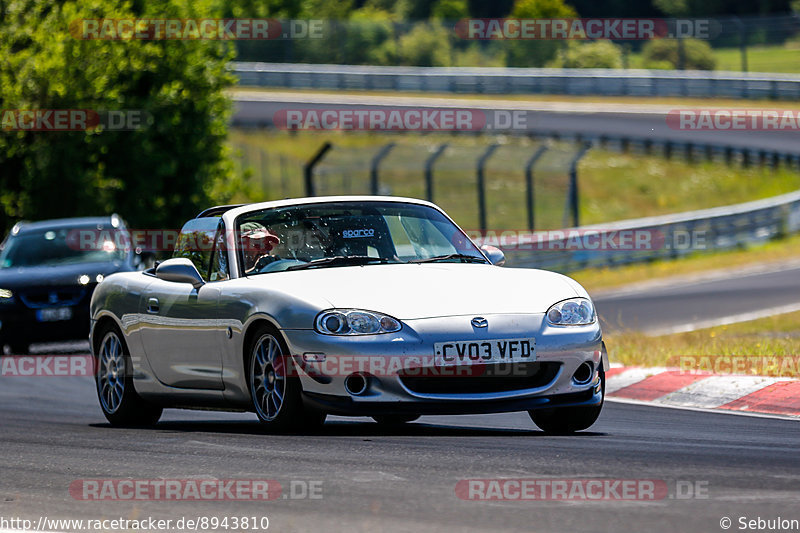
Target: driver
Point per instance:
(257, 243)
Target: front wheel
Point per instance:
(275, 392)
(120, 403)
(565, 420)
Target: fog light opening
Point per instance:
(584, 373)
(356, 384)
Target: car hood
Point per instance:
(410, 291)
(59, 275)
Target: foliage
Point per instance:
(426, 45)
(597, 54)
(155, 176)
(536, 53)
(665, 53)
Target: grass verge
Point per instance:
(770, 252)
(614, 186)
(783, 58)
(774, 336)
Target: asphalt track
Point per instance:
(258, 109)
(667, 308)
(404, 479)
(374, 479)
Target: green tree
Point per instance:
(596, 54)
(426, 45)
(156, 176)
(450, 10)
(536, 53)
(665, 54)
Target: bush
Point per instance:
(597, 54)
(156, 176)
(663, 53)
(426, 45)
(535, 53)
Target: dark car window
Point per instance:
(63, 246)
(219, 258)
(385, 231)
(196, 243)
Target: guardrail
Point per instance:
(602, 82)
(668, 236)
(718, 228)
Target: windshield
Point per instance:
(347, 233)
(57, 247)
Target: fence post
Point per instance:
(573, 183)
(742, 42)
(429, 170)
(482, 187)
(308, 168)
(529, 191)
(373, 171)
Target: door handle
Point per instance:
(152, 305)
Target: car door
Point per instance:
(181, 332)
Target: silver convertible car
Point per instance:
(355, 306)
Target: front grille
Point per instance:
(485, 379)
(52, 297)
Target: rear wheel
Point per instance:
(564, 420)
(394, 420)
(120, 403)
(275, 392)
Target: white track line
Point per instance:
(244, 95)
(702, 409)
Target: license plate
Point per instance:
(459, 353)
(54, 314)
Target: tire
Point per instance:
(394, 420)
(566, 420)
(275, 391)
(120, 403)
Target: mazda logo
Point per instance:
(479, 322)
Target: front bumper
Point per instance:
(393, 390)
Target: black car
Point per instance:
(48, 271)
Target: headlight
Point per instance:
(6, 294)
(572, 312)
(355, 322)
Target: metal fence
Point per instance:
(668, 236)
(377, 41)
(600, 82)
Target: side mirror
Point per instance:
(494, 254)
(180, 270)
